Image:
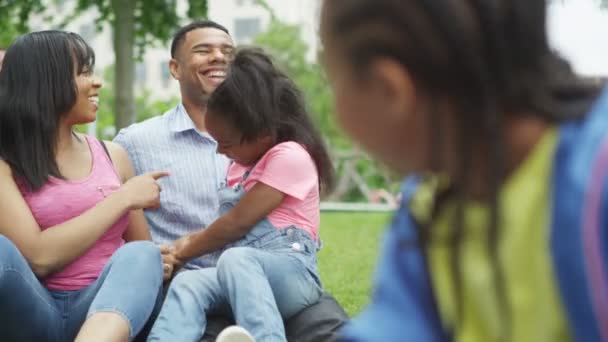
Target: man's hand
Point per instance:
(169, 261)
(178, 248)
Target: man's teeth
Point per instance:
(217, 74)
(94, 99)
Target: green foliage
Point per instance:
(197, 9)
(7, 36)
(13, 18)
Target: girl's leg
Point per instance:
(263, 287)
(120, 301)
(27, 311)
(191, 296)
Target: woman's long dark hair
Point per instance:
(257, 98)
(37, 87)
(487, 58)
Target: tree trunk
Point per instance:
(124, 73)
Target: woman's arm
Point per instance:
(49, 250)
(138, 226)
(255, 205)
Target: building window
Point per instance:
(245, 29)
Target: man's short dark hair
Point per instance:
(178, 37)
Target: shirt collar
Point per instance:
(180, 120)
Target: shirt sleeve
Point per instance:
(125, 139)
(122, 139)
(290, 169)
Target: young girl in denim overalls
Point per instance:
(267, 233)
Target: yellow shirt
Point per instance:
(531, 290)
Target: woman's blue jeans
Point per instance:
(128, 285)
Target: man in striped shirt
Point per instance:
(178, 142)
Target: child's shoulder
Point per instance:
(288, 146)
(290, 152)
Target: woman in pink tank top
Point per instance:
(69, 206)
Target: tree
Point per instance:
(135, 24)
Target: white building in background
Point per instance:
(242, 18)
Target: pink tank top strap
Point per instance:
(101, 156)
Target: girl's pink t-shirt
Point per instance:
(290, 169)
(61, 200)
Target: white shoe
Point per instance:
(234, 333)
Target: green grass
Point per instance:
(349, 255)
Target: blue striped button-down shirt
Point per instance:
(189, 195)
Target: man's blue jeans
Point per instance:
(128, 285)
